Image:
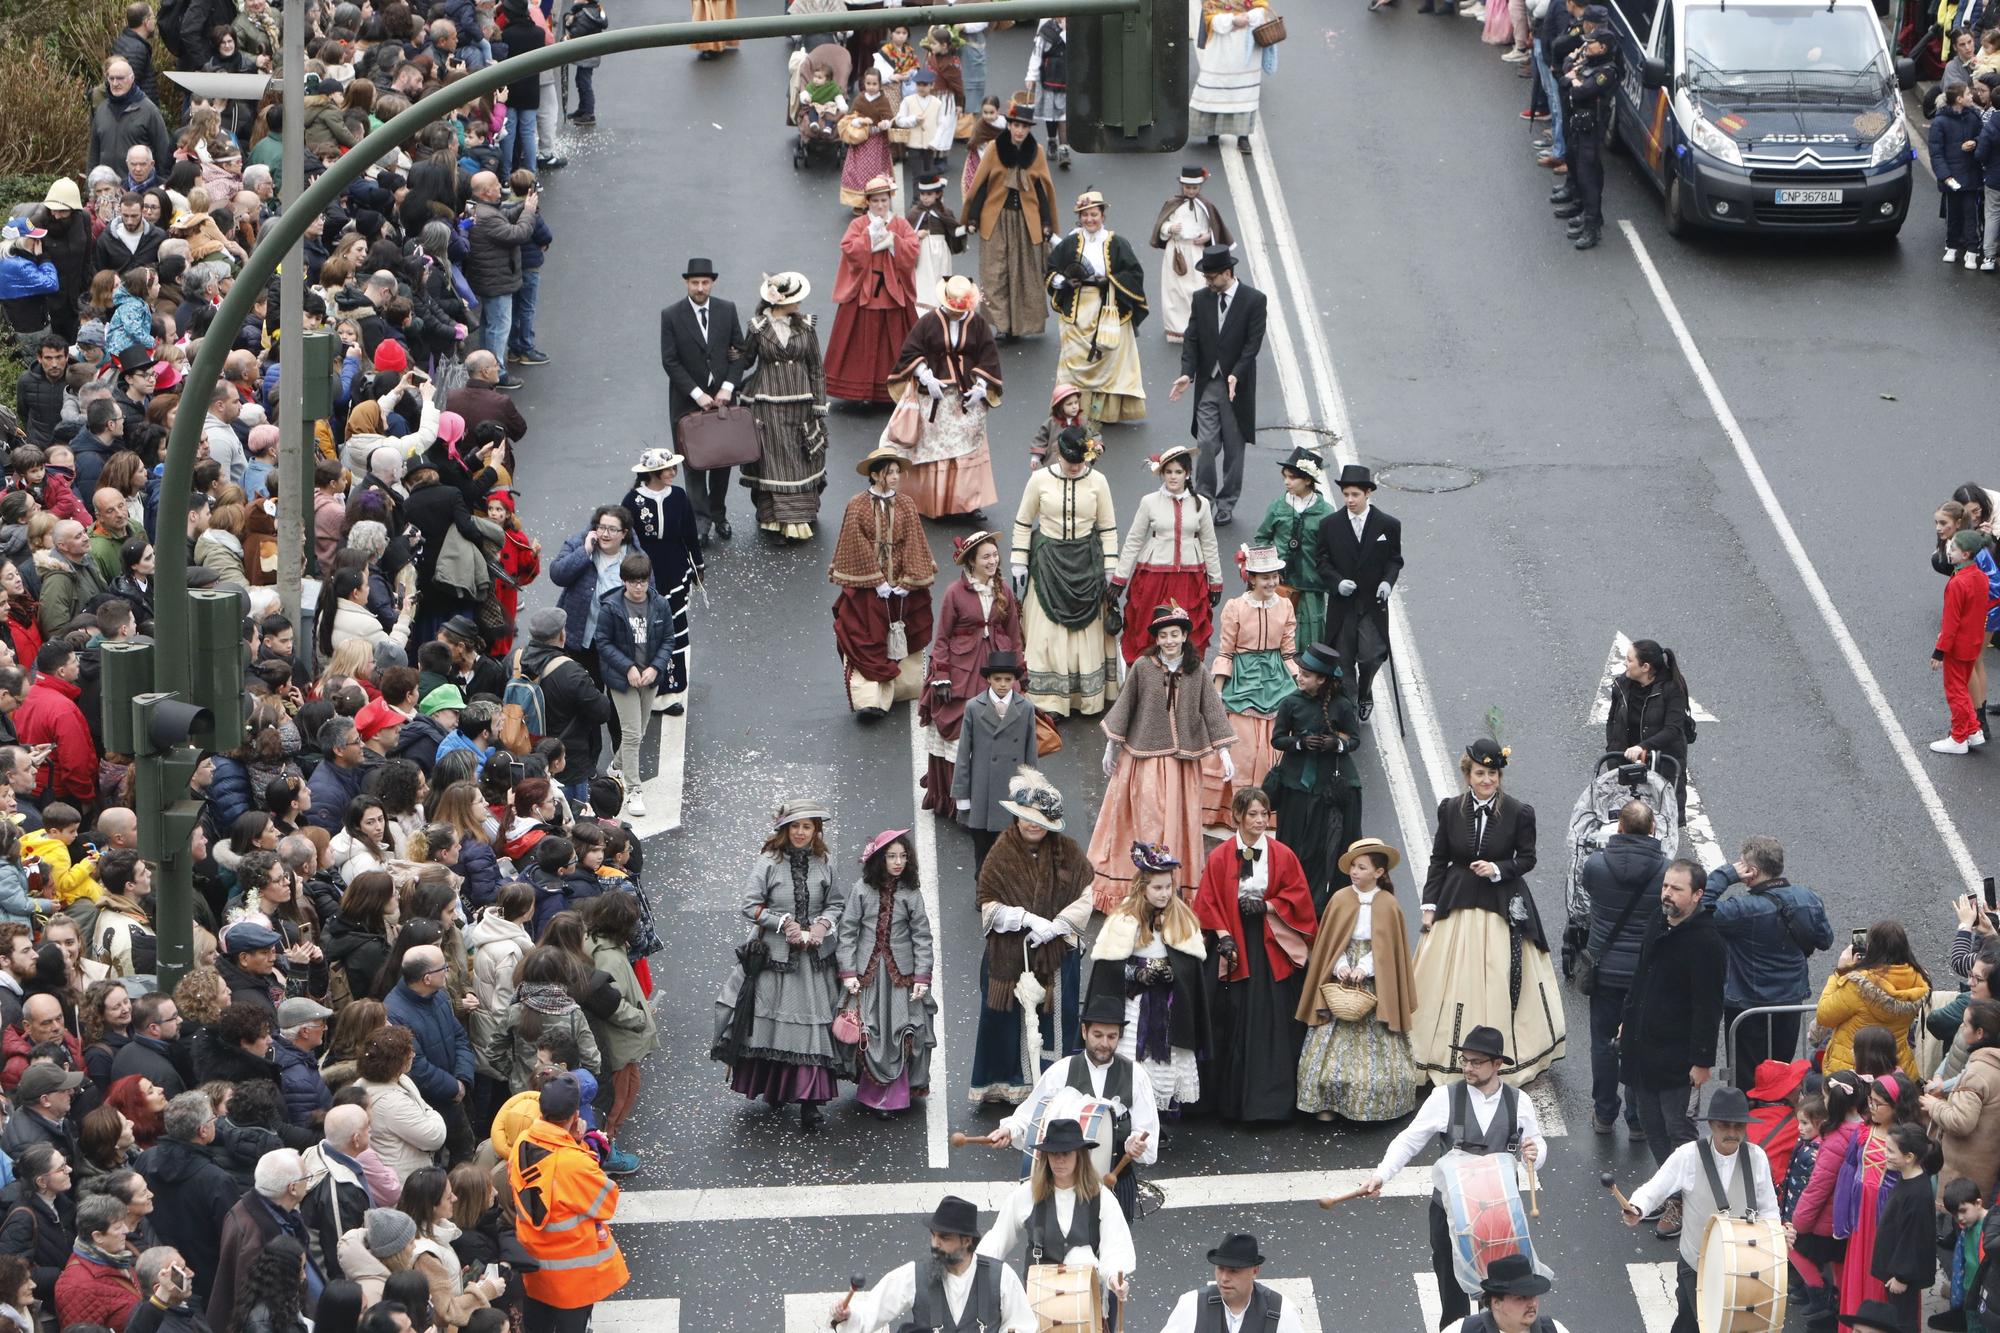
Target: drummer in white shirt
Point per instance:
(954, 1288)
(1062, 1214)
(1102, 1073)
(1236, 1302)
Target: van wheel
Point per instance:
(1677, 224)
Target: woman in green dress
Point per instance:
(1360, 1068)
(1291, 525)
(1316, 787)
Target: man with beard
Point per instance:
(955, 1289)
(1012, 205)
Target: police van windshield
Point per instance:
(1779, 49)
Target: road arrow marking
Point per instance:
(1695, 824)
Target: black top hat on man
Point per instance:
(1513, 1275)
(700, 268)
(1356, 475)
(1728, 1106)
(1216, 259)
(1003, 661)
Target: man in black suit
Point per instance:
(1360, 557)
(706, 358)
(1225, 334)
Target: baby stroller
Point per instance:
(1613, 782)
(817, 135)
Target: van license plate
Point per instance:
(1809, 196)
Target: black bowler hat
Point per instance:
(1355, 475)
(1876, 1315)
(1103, 1007)
(1216, 259)
(465, 629)
(1062, 1136)
(1003, 661)
(1320, 658)
(1513, 1275)
(1237, 1251)
(1729, 1106)
(956, 1217)
(700, 268)
(1487, 753)
(1484, 1041)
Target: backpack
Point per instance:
(170, 15)
(522, 713)
(339, 990)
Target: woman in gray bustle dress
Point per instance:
(774, 1017)
(787, 396)
(885, 956)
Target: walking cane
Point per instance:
(1396, 688)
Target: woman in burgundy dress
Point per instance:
(875, 299)
(977, 616)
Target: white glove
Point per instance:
(959, 232)
(935, 388)
(1039, 925)
(1037, 938)
(927, 378)
(883, 590)
(1228, 767)
(1382, 591)
(1059, 280)
(965, 805)
(1007, 919)
(1110, 758)
(1346, 588)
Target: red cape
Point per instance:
(1285, 895)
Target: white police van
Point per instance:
(1765, 115)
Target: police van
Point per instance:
(1764, 115)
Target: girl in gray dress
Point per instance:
(885, 965)
(774, 1017)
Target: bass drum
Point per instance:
(1092, 1114)
(1742, 1282)
(1065, 1298)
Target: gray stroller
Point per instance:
(1613, 782)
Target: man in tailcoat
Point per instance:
(1225, 334)
(706, 358)
(1360, 557)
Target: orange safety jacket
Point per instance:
(564, 1204)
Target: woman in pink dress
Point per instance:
(875, 299)
(1866, 1181)
(977, 616)
(870, 157)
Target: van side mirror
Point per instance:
(1906, 73)
(1653, 74)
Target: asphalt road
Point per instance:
(1562, 476)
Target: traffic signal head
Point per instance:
(1128, 80)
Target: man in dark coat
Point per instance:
(125, 116)
(1225, 334)
(41, 1112)
(128, 242)
(494, 268)
(194, 1195)
(1360, 557)
(135, 44)
(156, 1022)
(1623, 882)
(706, 358)
(1673, 1015)
(269, 1210)
(574, 708)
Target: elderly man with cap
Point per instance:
(1225, 335)
(1188, 224)
(249, 965)
(1724, 1173)
(1511, 1294)
(301, 1032)
(41, 1111)
(956, 1289)
(435, 718)
(1478, 1114)
(1236, 1302)
(563, 1206)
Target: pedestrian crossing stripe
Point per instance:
(1653, 1288)
(809, 1312)
(657, 1316)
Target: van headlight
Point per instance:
(1715, 143)
(1893, 143)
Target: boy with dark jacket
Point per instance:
(636, 642)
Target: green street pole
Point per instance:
(173, 665)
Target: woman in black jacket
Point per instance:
(1649, 711)
(434, 508)
(357, 936)
(435, 297)
(272, 1290)
(40, 1225)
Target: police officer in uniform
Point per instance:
(1569, 37)
(955, 1289)
(1479, 1114)
(1236, 1300)
(1592, 84)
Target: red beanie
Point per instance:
(389, 355)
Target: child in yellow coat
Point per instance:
(66, 880)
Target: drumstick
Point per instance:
(1111, 1176)
(1342, 1198)
(1534, 1202)
(1610, 1182)
(854, 1284)
(960, 1140)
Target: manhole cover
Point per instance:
(1427, 478)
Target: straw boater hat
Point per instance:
(799, 807)
(964, 548)
(1091, 199)
(880, 456)
(656, 460)
(784, 288)
(958, 295)
(1260, 560)
(1033, 797)
(1184, 452)
(1369, 847)
(878, 185)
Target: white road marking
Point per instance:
(937, 1143)
(1653, 1288)
(616, 1316)
(1411, 815)
(1547, 1109)
(1695, 824)
(1428, 1299)
(1795, 550)
(1298, 1293)
(808, 1312)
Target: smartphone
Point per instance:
(1857, 939)
(1991, 905)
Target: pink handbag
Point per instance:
(847, 1026)
(906, 423)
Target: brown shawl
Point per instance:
(857, 556)
(1395, 986)
(1046, 879)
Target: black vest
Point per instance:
(1483, 1323)
(1055, 55)
(982, 1306)
(1462, 1130)
(1117, 1088)
(1260, 1316)
(1048, 1242)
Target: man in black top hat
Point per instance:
(955, 1290)
(1480, 1115)
(1236, 1300)
(706, 358)
(1511, 1294)
(1225, 335)
(1360, 557)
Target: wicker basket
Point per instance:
(1349, 1004)
(1270, 32)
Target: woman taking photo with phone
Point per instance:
(1876, 983)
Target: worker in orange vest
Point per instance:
(564, 1204)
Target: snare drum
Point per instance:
(1065, 1298)
(1095, 1116)
(1482, 1204)
(1741, 1284)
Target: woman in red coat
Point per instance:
(1253, 895)
(520, 561)
(1961, 637)
(875, 299)
(98, 1286)
(977, 616)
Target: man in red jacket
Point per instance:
(1961, 636)
(50, 715)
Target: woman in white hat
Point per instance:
(1098, 291)
(950, 366)
(1170, 554)
(1254, 649)
(1360, 1068)
(875, 298)
(774, 1015)
(663, 526)
(787, 395)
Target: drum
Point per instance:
(1741, 1284)
(1093, 1115)
(1482, 1204)
(1065, 1298)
